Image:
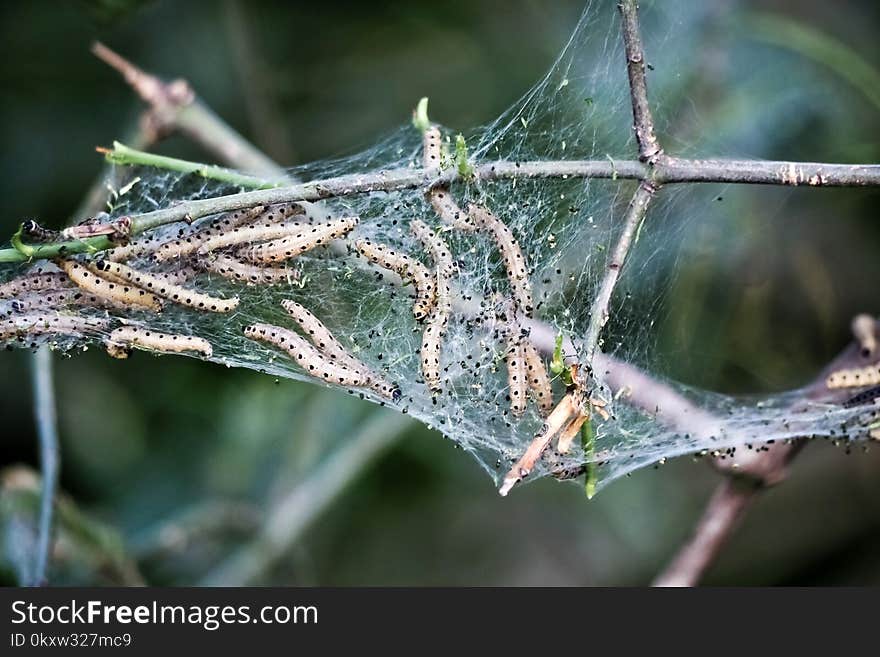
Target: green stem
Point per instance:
(588, 442)
(123, 155)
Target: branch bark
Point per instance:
(672, 171)
(650, 150)
(752, 473)
(174, 106)
(635, 215)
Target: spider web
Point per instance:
(566, 229)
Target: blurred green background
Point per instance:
(181, 472)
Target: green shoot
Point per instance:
(420, 115)
(557, 363)
(465, 169)
(18, 245)
(588, 442)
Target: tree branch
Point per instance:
(175, 106)
(47, 431)
(635, 215)
(673, 171)
(728, 504)
(650, 150)
(753, 472)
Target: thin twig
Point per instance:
(293, 514)
(671, 171)
(174, 106)
(126, 156)
(643, 123)
(47, 431)
(750, 474)
(635, 215)
(731, 500)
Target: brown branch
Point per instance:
(650, 150)
(752, 472)
(728, 504)
(635, 215)
(174, 106)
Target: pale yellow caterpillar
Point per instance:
(275, 214)
(539, 380)
(305, 355)
(236, 270)
(864, 329)
(854, 378)
(435, 326)
(517, 377)
(431, 349)
(178, 276)
(166, 290)
(324, 340)
(51, 323)
(122, 339)
(449, 211)
(436, 246)
(66, 297)
(305, 238)
(408, 268)
(514, 262)
(439, 197)
(432, 147)
(118, 292)
(136, 249)
(34, 283)
(187, 244)
(249, 234)
(321, 336)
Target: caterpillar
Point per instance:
(236, 270)
(186, 245)
(306, 238)
(247, 234)
(20, 326)
(279, 213)
(432, 147)
(435, 327)
(539, 380)
(864, 329)
(73, 296)
(514, 262)
(166, 290)
(407, 268)
(869, 396)
(34, 283)
(436, 246)
(38, 233)
(305, 355)
(324, 340)
(517, 378)
(117, 230)
(321, 336)
(124, 294)
(121, 340)
(431, 349)
(449, 211)
(137, 249)
(854, 378)
(439, 197)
